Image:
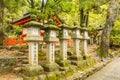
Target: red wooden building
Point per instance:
(19, 40)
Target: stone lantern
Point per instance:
(63, 36)
(92, 39)
(50, 38)
(76, 38)
(100, 30)
(33, 38)
(85, 39)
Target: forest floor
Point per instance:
(92, 49)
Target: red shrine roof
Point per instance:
(26, 18)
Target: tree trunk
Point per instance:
(110, 19)
(81, 16)
(1, 21)
(32, 4)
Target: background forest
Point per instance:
(90, 13)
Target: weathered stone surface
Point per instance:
(51, 67)
(76, 58)
(42, 77)
(32, 70)
(51, 76)
(7, 64)
(30, 78)
(64, 63)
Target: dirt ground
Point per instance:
(9, 76)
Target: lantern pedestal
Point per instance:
(64, 36)
(50, 67)
(76, 38)
(50, 38)
(85, 43)
(32, 70)
(33, 38)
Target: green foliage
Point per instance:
(115, 34)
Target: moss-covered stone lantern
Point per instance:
(63, 36)
(85, 39)
(76, 36)
(50, 38)
(100, 30)
(33, 38)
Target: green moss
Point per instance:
(51, 67)
(51, 76)
(59, 75)
(74, 57)
(42, 77)
(65, 26)
(30, 78)
(87, 64)
(32, 24)
(50, 27)
(63, 63)
(69, 73)
(32, 70)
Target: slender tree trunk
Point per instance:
(86, 18)
(110, 19)
(81, 16)
(1, 21)
(32, 4)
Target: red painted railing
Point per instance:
(14, 41)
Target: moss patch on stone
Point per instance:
(51, 67)
(30, 78)
(63, 63)
(32, 70)
(32, 24)
(74, 57)
(51, 76)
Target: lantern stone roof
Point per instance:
(33, 22)
(76, 26)
(64, 26)
(84, 29)
(50, 25)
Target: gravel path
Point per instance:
(110, 72)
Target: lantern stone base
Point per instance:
(32, 70)
(79, 63)
(51, 67)
(76, 58)
(86, 57)
(64, 63)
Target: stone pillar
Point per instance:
(76, 38)
(50, 38)
(91, 39)
(100, 30)
(77, 47)
(50, 53)
(85, 44)
(33, 37)
(63, 49)
(33, 53)
(63, 36)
